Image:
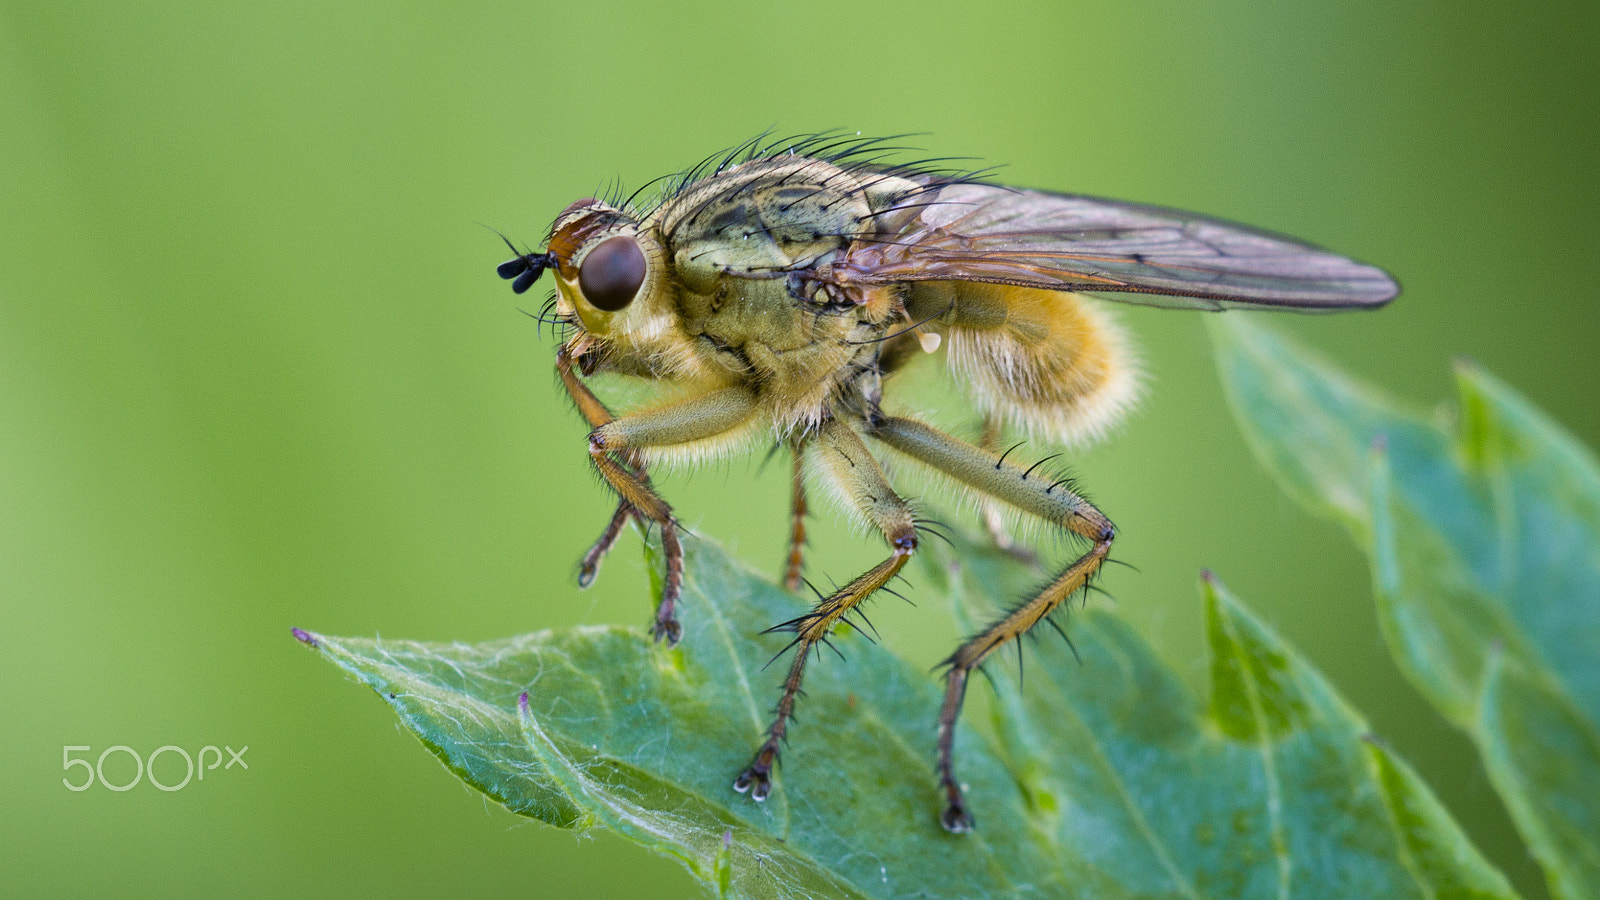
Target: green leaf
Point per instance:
(1109, 779)
(1485, 544)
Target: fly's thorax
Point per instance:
(798, 356)
(744, 312)
(769, 217)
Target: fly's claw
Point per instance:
(666, 628)
(586, 573)
(756, 779)
(955, 818)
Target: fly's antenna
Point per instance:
(523, 271)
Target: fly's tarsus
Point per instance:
(589, 566)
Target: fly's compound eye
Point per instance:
(612, 273)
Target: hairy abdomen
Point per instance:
(1053, 364)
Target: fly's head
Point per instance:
(610, 272)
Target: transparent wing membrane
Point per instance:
(988, 233)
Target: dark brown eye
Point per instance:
(612, 273)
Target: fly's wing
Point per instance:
(1141, 254)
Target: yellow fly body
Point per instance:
(777, 287)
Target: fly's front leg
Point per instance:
(589, 566)
(617, 440)
(595, 413)
(695, 419)
(843, 457)
(798, 511)
(1002, 480)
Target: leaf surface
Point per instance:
(1484, 533)
(1109, 779)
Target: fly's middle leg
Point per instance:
(841, 456)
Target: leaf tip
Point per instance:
(1218, 600)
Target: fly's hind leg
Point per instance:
(994, 517)
(794, 568)
(841, 456)
(994, 477)
(614, 443)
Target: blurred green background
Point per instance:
(256, 371)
